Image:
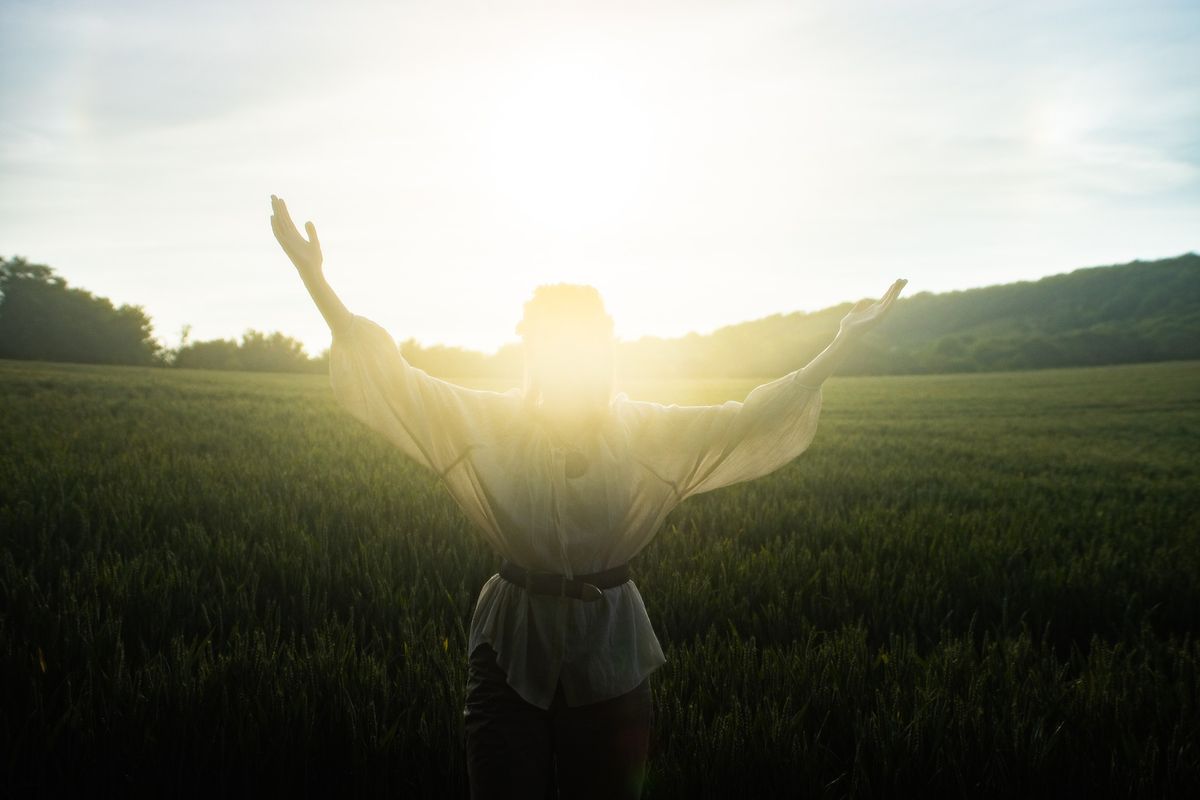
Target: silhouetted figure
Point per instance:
(567, 481)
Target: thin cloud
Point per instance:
(814, 151)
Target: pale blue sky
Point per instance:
(701, 163)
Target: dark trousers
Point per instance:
(515, 749)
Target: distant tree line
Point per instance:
(1135, 312)
(257, 352)
(44, 319)
(1140, 311)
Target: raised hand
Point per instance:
(866, 315)
(304, 253)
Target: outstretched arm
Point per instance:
(306, 256)
(862, 317)
(700, 448)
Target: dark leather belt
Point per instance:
(581, 587)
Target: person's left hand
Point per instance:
(866, 315)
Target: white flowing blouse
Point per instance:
(506, 472)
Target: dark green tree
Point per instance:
(44, 319)
(211, 354)
(273, 352)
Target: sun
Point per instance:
(567, 143)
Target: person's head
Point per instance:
(570, 352)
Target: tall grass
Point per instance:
(973, 584)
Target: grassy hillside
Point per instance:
(1136, 312)
(976, 585)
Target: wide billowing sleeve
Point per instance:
(701, 448)
(433, 421)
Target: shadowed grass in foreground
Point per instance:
(971, 584)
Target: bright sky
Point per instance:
(700, 163)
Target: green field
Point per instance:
(981, 585)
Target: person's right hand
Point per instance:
(304, 253)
